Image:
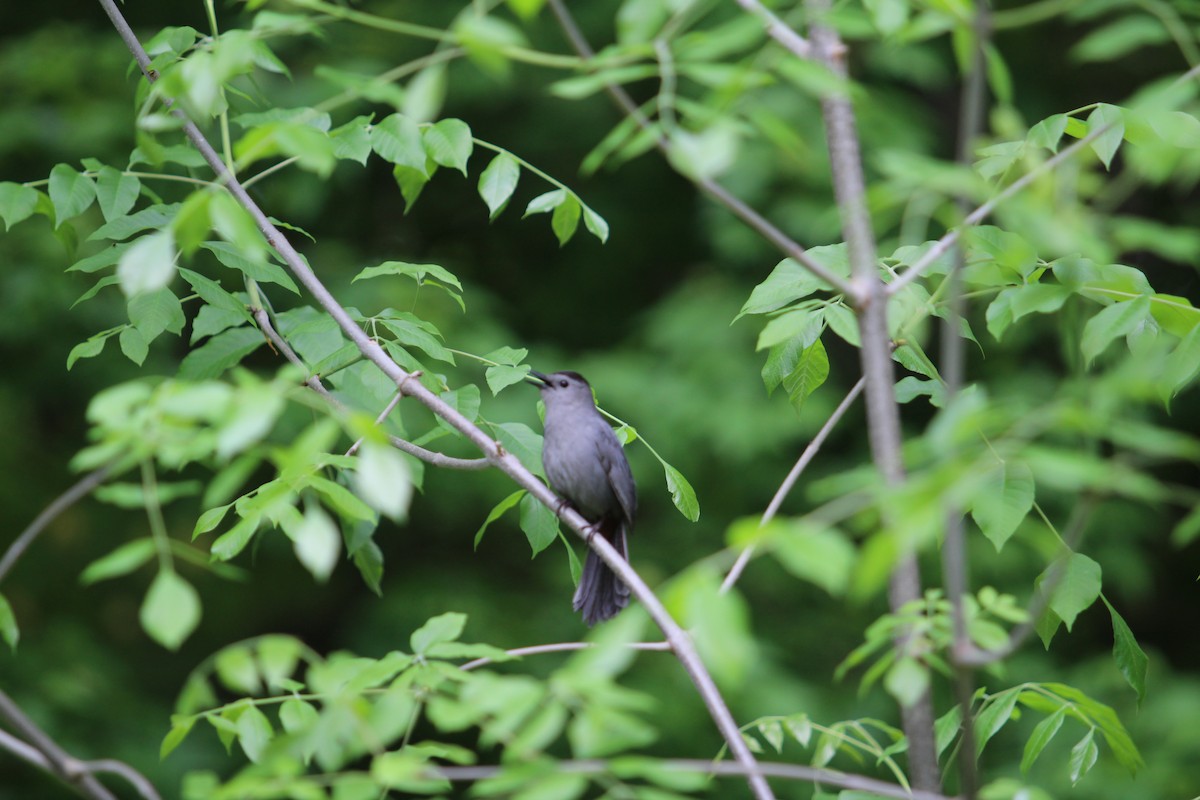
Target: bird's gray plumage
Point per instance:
(585, 464)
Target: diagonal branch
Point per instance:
(82, 488)
(758, 223)
(806, 457)
(680, 641)
(560, 647)
(313, 382)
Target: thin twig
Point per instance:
(681, 642)
(60, 763)
(82, 488)
(797, 772)
(755, 221)
(314, 382)
(387, 410)
(883, 414)
(953, 357)
(801, 464)
(779, 30)
(562, 647)
(943, 245)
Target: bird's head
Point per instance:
(562, 387)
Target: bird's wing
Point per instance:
(620, 477)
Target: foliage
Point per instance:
(1072, 413)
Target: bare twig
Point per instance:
(32, 755)
(314, 382)
(797, 772)
(883, 415)
(943, 245)
(388, 409)
(954, 546)
(562, 647)
(755, 221)
(60, 763)
(779, 30)
(82, 488)
(801, 464)
(681, 642)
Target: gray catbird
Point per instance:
(585, 464)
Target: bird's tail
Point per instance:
(601, 594)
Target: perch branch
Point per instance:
(561, 647)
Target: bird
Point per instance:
(586, 465)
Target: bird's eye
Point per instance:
(563, 383)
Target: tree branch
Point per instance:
(779, 30)
(802, 463)
(562, 647)
(57, 761)
(797, 772)
(972, 98)
(82, 488)
(313, 382)
(755, 221)
(883, 415)
(680, 641)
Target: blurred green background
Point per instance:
(645, 317)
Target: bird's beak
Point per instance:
(541, 379)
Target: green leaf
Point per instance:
(539, 524)
(1078, 586)
(486, 38)
(803, 323)
(565, 219)
(1041, 736)
(1002, 500)
(8, 624)
(497, 182)
(497, 512)
(682, 493)
(442, 628)
(257, 268)
(1048, 132)
(17, 203)
(122, 561)
(545, 202)
(181, 726)
(134, 345)
(993, 717)
(599, 730)
(1118, 319)
(411, 182)
(425, 94)
(383, 479)
(1083, 756)
(819, 555)
(88, 349)
(297, 716)
(117, 192)
(787, 283)
(71, 192)
(1105, 146)
(811, 371)
(503, 376)
(595, 224)
(1131, 660)
(171, 610)
(448, 142)
(220, 353)
(154, 218)
(317, 542)
(254, 733)
(397, 139)
(148, 264)
(236, 669)
(352, 140)
(1181, 367)
(423, 274)
(907, 680)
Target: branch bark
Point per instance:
(797, 772)
(681, 643)
(883, 415)
(82, 488)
